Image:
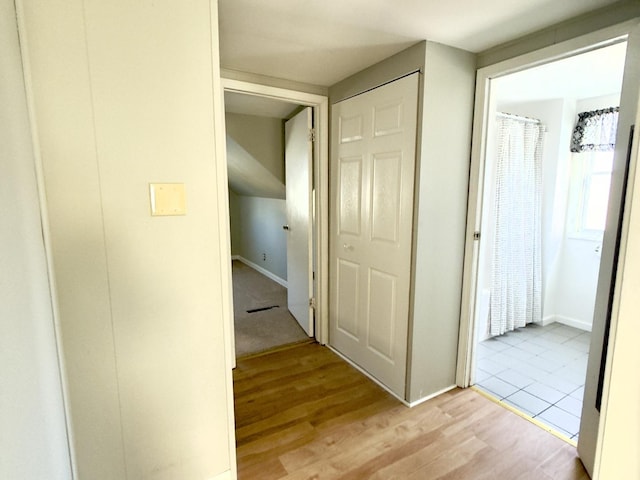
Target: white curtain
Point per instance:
(516, 288)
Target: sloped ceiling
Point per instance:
(247, 176)
(324, 41)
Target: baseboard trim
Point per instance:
(548, 320)
(570, 322)
(260, 269)
(415, 403)
(226, 475)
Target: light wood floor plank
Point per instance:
(303, 413)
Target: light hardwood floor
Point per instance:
(303, 413)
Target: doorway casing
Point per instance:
(483, 123)
(320, 196)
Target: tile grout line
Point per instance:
(561, 348)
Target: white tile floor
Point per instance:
(538, 370)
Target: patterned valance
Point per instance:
(595, 131)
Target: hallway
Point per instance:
(261, 318)
(304, 413)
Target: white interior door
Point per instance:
(372, 184)
(595, 380)
(298, 158)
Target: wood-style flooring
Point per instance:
(303, 413)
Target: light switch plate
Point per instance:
(167, 199)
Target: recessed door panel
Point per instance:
(381, 313)
(347, 301)
(350, 192)
(350, 128)
(385, 196)
(387, 119)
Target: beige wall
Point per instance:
(440, 220)
(608, 16)
(402, 63)
(124, 96)
(33, 442)
(262, 137)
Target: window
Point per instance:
(589, 198)
(593, 144)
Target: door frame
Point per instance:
(320, 202)
(481, 126)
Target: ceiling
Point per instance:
(321, 42)
(255, 105)
(592, 74)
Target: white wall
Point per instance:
(124, 95)
(256, 229)
(33, 442)
(576, 280)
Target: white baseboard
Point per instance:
(262, 270)
(383, 386)
(227, 475)
(433, 395)
(548, 320)
(571, 322)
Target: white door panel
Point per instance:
(590, 420)
(372, 187)
(298, 156)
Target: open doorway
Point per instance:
(543, 220)
(276, 157)
(269, 158)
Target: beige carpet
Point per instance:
(264, 329)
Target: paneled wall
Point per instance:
(124, 95)
(33, 441)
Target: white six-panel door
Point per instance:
(372, 185)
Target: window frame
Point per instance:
(582, 173)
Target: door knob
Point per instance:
(346, 246)
(285, 227)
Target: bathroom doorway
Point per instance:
(542, 227)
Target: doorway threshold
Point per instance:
(524, 415)
(539, 370)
